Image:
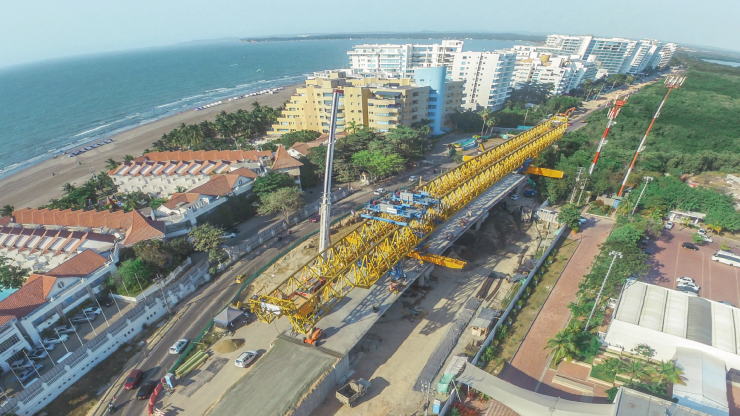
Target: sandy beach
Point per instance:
(35, 185)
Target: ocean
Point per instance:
(62, 104)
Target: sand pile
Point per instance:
(228, 345)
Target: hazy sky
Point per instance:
(32, 30)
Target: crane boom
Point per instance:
(325, 209)
(611, 116)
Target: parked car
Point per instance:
(380, 191)
(685, 288)
(689, 293)
(92, 311)
(668, 225)
(82, 318)
(706, 238)
(582, 221)
(684, 279)
(133, 379)
(178, 346)
(228, 235)
(315, 218)
(38, 354)
(21, 365)
(145, 390)
(106, 301)
(688, 284)
(246, 358)
(232, 230)
(413, 178)
(63, 329)
(56, 339)
(702, 231)
(31, 371)
(647, 251)
(690, 246)
(514, 197)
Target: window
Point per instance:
(5, 345)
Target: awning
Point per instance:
(227, 316)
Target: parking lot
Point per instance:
(718, 281)
(85, 331)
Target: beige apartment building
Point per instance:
(378, 103)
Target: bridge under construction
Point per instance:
(347, 286)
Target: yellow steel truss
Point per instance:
(366, 254)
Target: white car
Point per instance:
(178, 346)
(668, 225)
(684, 280)
(413, 178)
(245, 358)
(702, 231)
(582, 221)
(514, 197)
(706, 238)
(689, 293)
(228, 235)
(691, 287)
(25, 375)
(380, 191)
(21, 365)
(92, 311)
(56, 339)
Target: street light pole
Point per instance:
(647, 179)
(598, 296)
(161, 287)
(60, 337)
(32, 364)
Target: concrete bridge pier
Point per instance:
(480, 221)
(424, 274)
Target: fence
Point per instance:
(156, 286)
(561, 234)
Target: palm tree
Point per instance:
(111, 164)
(180, 189)
(351, 127)
(491, 122)
(668, 372)
(485, 114)
(128, 158)
(636, 369)
(563, 346)
(68, 187)
(7, 210)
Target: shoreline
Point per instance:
(34, 185)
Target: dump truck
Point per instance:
(352, 391)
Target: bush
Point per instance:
(611, 394)
(459, 409)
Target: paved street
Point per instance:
(530, 367)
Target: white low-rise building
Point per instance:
(668, 319)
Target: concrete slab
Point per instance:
(277, 381)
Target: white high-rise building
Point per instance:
(487, 77)
(665, 54)
(402, 59)
(563, 72)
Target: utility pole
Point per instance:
(647, 179)
(579, 171)
(585, 181)
(325, 208)
(596, 302)
(672, 82)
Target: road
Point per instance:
(190, 318)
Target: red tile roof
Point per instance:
(218, 185)
(142, 229)
(230, 155)
(80, 265)
(6, 220)
(247, 173)
(301, 148)
(178, 198)
(283, 160)
(26, 299)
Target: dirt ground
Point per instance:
(400, 344)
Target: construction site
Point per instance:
(388, 297)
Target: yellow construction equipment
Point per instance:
(361, 258)
(550, 173)
(438, 260)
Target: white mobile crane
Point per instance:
(325, 209)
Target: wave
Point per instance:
(93, 129)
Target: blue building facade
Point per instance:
(434, 78)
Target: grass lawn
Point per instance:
(80, 397)
(525, 318)
(598, 372)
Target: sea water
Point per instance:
(62, 104)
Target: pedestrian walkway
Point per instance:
(530, 367)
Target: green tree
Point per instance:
(378, 163)
(636, 370)
(135, 273)
(207, 238)
(111, 164)
(11, 276)
(696, 238)
(563, 346)
(7, 210)
(152, 252)
(484, 114)
(644, 350)
(668, 372)
(570, 215)
(128, 158)
(300, 136)
(271, 182)
(284, 200)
